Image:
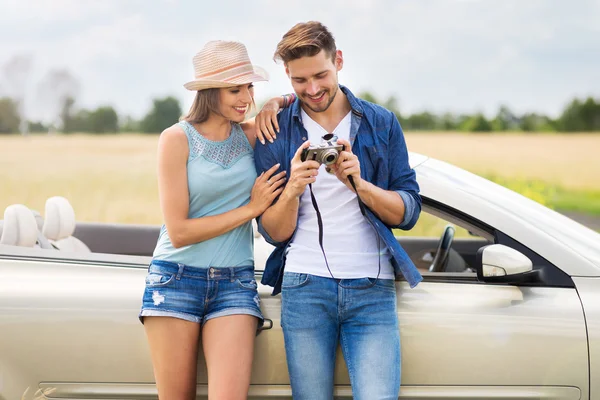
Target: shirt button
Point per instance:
(303, 137)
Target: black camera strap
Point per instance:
(363, 212)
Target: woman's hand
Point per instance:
(266, 123)
(266, 189)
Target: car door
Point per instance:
(464, 339)
(69, 330)
(69, 326)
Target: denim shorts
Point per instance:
(199, 294)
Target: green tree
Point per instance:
(66, 115)
(80, 121)
(590, 114)
(505, 120)
(421, 121)
(580, 116)
(532, 122)
(476, 123)
(129, 124)
(36, 127)
(570, 119)
(447, 122)
(9, 115)
(103, 120)
(164, 113)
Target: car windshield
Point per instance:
(581, 239)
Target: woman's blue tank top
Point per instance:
(220, 178)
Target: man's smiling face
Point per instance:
(315, 79)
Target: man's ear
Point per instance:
(339, 60)
(287, 71)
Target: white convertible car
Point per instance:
(508, 309)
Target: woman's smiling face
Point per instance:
(235, 102)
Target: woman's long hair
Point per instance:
(206, 102)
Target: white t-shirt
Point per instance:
(349, 240)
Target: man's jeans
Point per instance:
(316, 312)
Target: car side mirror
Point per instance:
(502, 264)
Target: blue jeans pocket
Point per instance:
(384, 284)
(293, 280)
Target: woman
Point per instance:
(201, 279)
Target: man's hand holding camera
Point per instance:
(302, 173)
(307, 160)
(347, 164)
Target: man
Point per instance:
(339, 289)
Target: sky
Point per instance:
(437, 55)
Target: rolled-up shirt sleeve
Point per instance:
(403, 179)
(264, 160)
(412, 210)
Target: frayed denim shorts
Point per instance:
(199, 294)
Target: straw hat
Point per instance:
(224, 64)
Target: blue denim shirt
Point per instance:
(377, 139)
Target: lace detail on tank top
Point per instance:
(225, 153)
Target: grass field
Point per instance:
(112, 178)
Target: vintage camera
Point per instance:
(325, 152)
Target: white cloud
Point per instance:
(56, 11)
(436, 54)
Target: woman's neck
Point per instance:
(215, 128)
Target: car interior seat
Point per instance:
(19, 227)
(59, 225)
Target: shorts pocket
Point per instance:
(157, 279)
(293, 280)
(247, 282)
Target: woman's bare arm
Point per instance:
(174, 195)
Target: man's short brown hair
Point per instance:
(305, 39)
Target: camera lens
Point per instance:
(328, 157)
